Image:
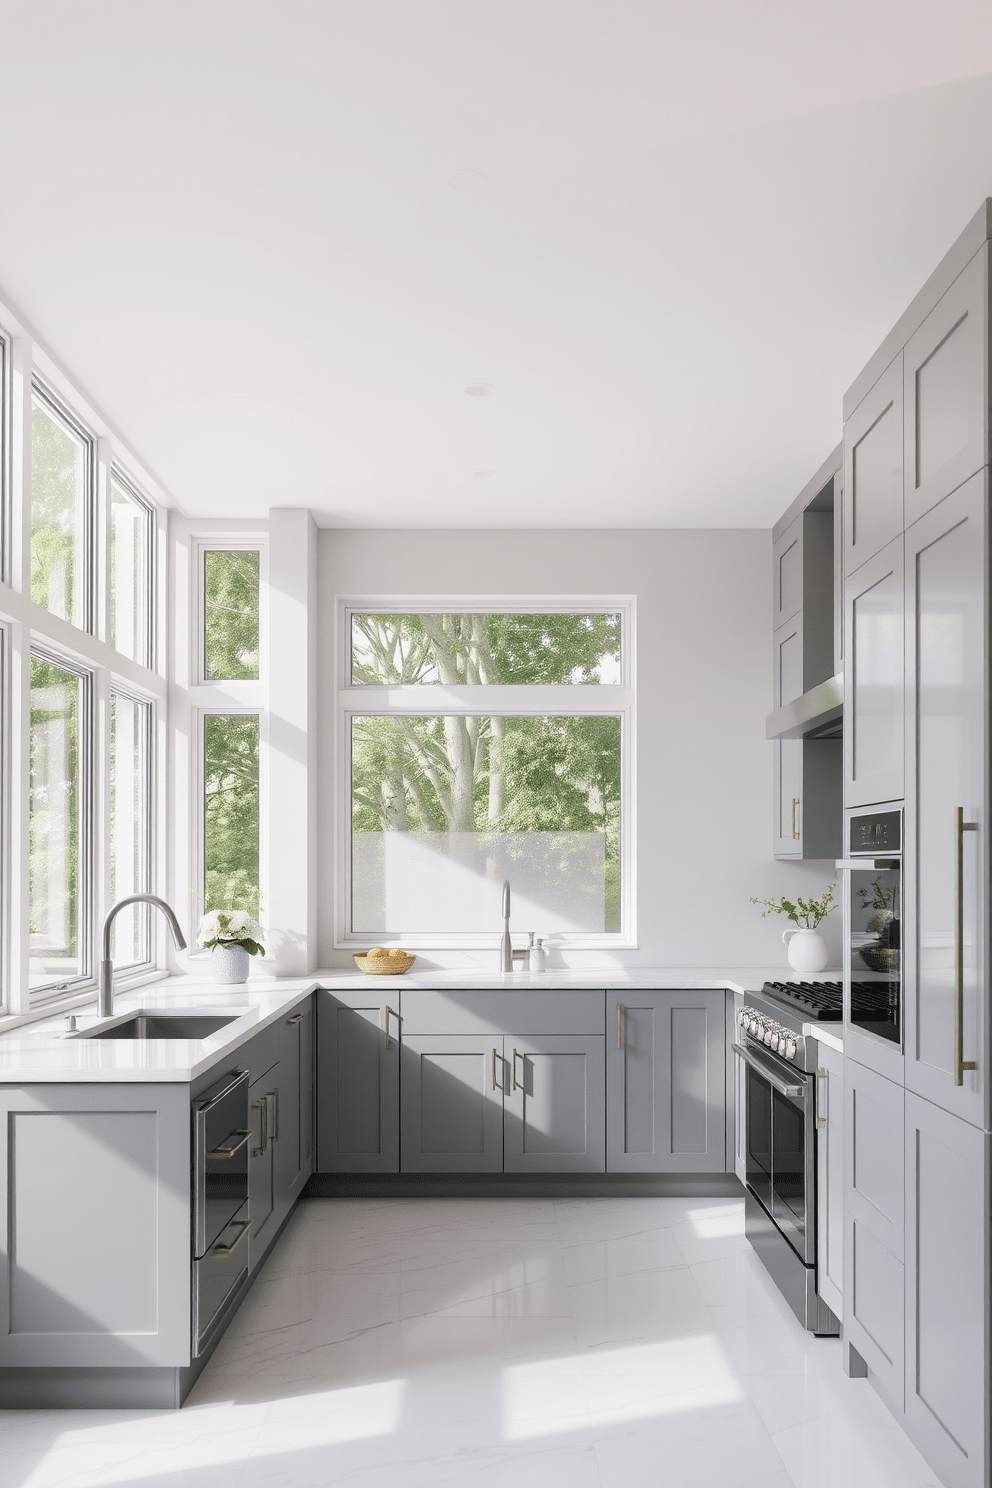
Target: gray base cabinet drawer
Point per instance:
(666, 1082)
(514, 1011)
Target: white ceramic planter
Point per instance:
(230, 964)
(807, 950)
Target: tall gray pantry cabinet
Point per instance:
(917, 685)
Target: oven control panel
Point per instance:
(764, 1030)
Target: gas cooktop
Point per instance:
(872, 1003)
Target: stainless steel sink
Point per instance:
(164, 1026)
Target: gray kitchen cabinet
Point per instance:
(829, 1177)
(554, 1106)
(293, 1133)
(262, 1108)
(787, 573)
(873, 469)
(95, 1201)
(874, 695)
(666, 1082)
(452, 1103)
(947, 1236)
(946, 437)
(808, 798)
(874, 1295)
(358, 1080)
(788, 660)
(947, 667)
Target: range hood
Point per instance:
(818, 714)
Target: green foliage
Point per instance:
(805, 912)
(230, 827)
(231, 615)
(53, 831)
(56, 482)
(507, 650)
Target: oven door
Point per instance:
(220, 1175)
(780, 1148)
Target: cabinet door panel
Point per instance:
(946, 1180)
(789, 661)
(453, 1104)
(830, 1177)
(874, 1138)
(787, 756)
(875, 681)
(666, 1077)
(873, 470)
(946, 432)
(874, 1301)
(555, 1115)
(293, 1147)
(945, 575)
(787, 572)
(358, 1086)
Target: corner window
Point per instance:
(231, 811)
(522, 779)
(59, 834)
(62, 462)
(131, 539)
(231, 615)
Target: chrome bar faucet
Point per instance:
(507, 955)
(105, 992)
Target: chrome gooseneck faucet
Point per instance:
(105, 994)
(507, 955)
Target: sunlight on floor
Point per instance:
(603, 1386)
(713, 1224)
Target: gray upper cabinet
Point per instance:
(947, 1276)
(946, 434)
(294, 1107)
(873, 470)
(452, 1118)
(358, 1081)
(947, 641)
(787, 573)
(788, 654)
(553, 1114)
(874, 701)
(666, 1082)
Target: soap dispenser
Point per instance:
(538, 955)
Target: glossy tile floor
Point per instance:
(584, 1343)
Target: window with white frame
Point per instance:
(132, 534)
(62, 492)
(130, 826)
(485, 741)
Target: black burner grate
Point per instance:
(824, 1001)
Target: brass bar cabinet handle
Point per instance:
(960, 827)
(795, 830)
(384, 1013)
(513, 1082)
(262, 1107)
(621, 1025)
(243, 1137)
(494, 1069)
(274, 1134)
(297, 1019)
(227, 1249)
(821, 1121)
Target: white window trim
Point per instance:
(119, 476)
(199, 546)
(615, 700)
(93, 565)
(133, 695)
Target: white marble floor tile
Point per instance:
(552, 1344)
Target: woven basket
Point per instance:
(384, 965)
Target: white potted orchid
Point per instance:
(230, 935)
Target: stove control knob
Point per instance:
(767, 1036)
(790, 1049)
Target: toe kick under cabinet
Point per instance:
(518, 1081)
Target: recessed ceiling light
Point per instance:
(466, 181)
(480, 389)
(482, 475)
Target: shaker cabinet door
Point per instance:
(787, 573)
(294, 1100)
(946, 413)
(945, 747)
(873, 470)
(358, 1084)
(947, 1176)
(453, 1103)
(554, 1119)
(874, 680)
(830, 1177)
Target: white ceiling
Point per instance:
(231, 222)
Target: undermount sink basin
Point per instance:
(164, 1026)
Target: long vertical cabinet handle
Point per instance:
(513, 1081)
(821, 1121)
(494, 1069)
(795, 829)
(384, 1015)
(960, 827)
(274, 1097)
(262, 1107)
(621, 1025)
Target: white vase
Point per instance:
(807, 950)
(230, 964)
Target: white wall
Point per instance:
(704, 767)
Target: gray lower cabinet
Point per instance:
(829, 1177)
(553, 1109)
(95, 1194)
(452, 1118)
(358, 1082)
(666, 1082)
(947, 1161)
(262, 1114)
(293, 1134)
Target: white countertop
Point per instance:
(42, 1052)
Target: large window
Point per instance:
(231, 615)
(61, 511)
(60, 792)
(131, 549)
(523, 779)
(231, 811)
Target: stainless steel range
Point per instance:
(780, 1116)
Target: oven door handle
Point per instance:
(772, 1076)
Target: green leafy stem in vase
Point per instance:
(807, 913)
(881, 897)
